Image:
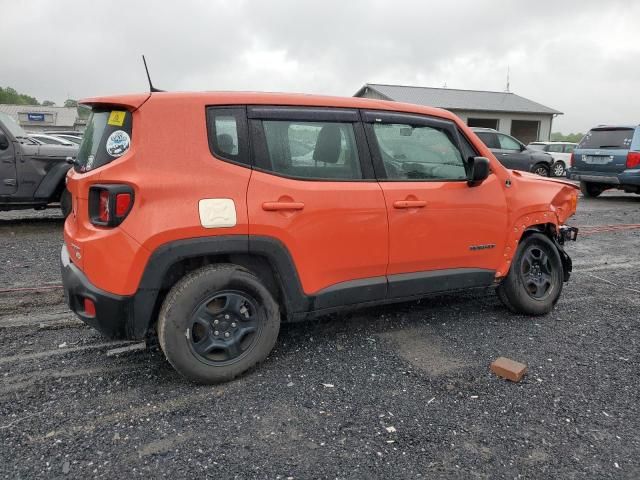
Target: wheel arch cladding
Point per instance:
(267, 259)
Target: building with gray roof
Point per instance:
(504, 111)
(39, 119)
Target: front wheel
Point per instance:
(534, 282)
(217, 322)
(559, 169)
(541, 169)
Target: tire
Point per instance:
(217, 322)
(65, 203)
(541, 169)
(559, 169)
(534, 282)
(590, 190)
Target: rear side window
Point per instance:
(314, 150)
(569, 148)
(228, 134)
(490, 139)
(107, 137)
(556, 148)
(418, 153)
(608, 138)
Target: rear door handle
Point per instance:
(409, 204)
(275, 206)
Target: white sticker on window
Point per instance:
(217, 212)
(118, 143)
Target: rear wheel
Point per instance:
(591, 190)
(217, 322)
(541, 169)
(534, 282)
(558, 169)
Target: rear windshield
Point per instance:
(107, 137)
(607, 138)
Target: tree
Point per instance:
(48, 103)
(11, 96)
(571, 137)
(70, 103)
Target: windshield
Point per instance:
(608, 138)
(11, 125)
(108, 136)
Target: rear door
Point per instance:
(313, 190)
(443, 234)
(604, 150)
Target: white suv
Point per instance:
(561, 153)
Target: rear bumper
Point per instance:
(114, 313)
(627, 177)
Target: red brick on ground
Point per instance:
(509, 369)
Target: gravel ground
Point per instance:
(402, 391)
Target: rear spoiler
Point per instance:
(131, 102)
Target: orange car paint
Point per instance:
(349, 230)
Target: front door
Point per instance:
(8, 176)
(513, 154)
(443, 233)
(313, 190)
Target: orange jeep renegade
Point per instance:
(209, 217)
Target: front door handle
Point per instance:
(409, 204)
(275, 206)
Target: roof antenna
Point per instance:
(508, 86)
(151, 87)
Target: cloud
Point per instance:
(577, 57)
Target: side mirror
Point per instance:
(478, 171)
(4, 142)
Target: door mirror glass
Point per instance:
(478, 170)
(4, 142)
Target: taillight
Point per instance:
(571, 159)
(633, 159)
(109, 204)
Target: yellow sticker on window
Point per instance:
(116, 118)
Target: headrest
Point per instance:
(328, 145)
(225, 143)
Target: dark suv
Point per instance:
(31, 175)
(513, 154)
(608, 157)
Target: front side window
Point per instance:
(508, 143)
(418, 153)
(314, 150)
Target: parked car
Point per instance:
(608, 157)
(275, 206)
(561, 153)
(43, 139)
(69, 138)
(32, 175)
(514, 154)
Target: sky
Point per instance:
(579, 57)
